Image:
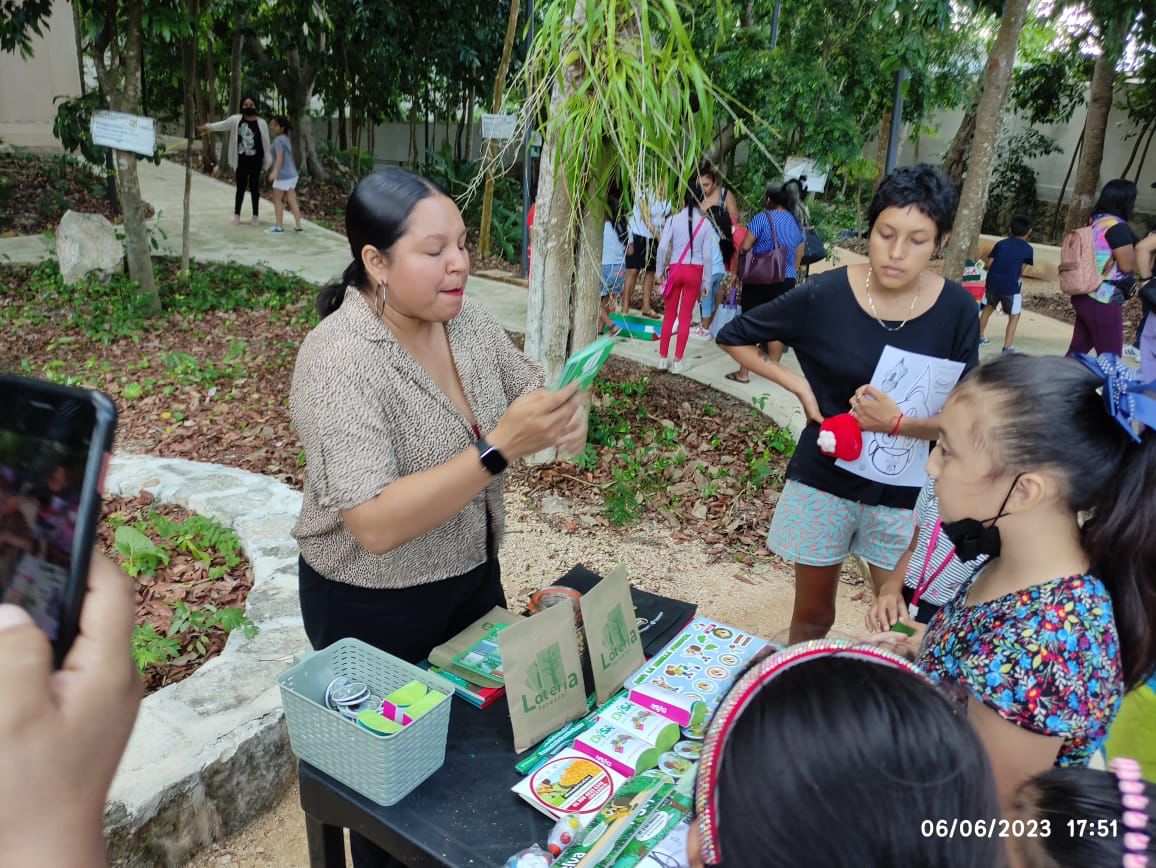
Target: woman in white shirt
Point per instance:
(686, 280)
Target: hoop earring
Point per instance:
(380, 302)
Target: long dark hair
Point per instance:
(376, 214)
(1080, 796)
(283, 122)
(838, 762)
(1052, 414)
(1118, 198)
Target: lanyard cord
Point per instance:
(925, 580)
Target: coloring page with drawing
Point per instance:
(919, 385)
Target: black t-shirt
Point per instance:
(839, 344)
(1120, 235)
(249, 144)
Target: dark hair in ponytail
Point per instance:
(1052, 415)
(284, 123)
(1086, 796)
(376, 215)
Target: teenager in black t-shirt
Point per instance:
(839, 322)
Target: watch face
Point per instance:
(493, 460)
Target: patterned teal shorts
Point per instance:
(818, 529)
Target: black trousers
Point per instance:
(406, 622)
(248, 177)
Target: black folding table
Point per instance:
(463, 815)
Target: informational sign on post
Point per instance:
(124, 132)
(806, 170)
(499, 126)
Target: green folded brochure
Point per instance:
(583, 366)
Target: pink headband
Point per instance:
(737, 701)
(1135, 816)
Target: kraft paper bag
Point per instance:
(443, 655)
(611, 633)
(544, 684)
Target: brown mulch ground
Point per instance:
(183, 579)
(36, 190)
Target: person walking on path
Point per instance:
(1005, 269)
(250, 152)
(646, 223)
(773, 227)
(687, 279)
(283, 176)
(1100, 313)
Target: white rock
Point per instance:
(86, 243)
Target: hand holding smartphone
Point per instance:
(54, 445)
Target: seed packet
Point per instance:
(483, 657)
(570, 783)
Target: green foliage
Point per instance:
(112, 311)
(196, 626)
(20, 21)
(149, 647)
(142, 555)
(1013, 181)
(200, 537)
(458, 179)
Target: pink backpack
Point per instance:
(1078, 272)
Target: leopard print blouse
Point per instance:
(368, 414)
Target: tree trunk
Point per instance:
(1136, 147)
(955, 160)
(1096, 124)
(747, 18)
(724, 145)
(235, 82)
(548, 310)
(491, 148)
(988, 115)
(342, 138)
(190, 58)
(206, 109)
(881, 153)
(413, 130)
(469, 151)
(1064, 187)
(1143, 157)
(118, 70)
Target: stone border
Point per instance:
(211, 754)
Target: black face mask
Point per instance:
(972, 537)
(249, 112)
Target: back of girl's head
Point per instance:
(1049, 413)
(837, 762)
(1117, 198)
(376, 215)
(692, 195)
(923, 186)
(284, 123)
(778, 196)
(1077, 815)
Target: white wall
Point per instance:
(28, 87)
(1050, 170)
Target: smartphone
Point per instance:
(54, 447)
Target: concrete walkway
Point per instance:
(319, 255)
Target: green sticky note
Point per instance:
(583, 366)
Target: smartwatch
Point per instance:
(493, 460)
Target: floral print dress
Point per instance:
(1046, 658)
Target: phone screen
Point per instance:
(52, 449)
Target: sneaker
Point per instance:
(663, 364)
(1131, 352)
(1008, 350)
(983, 342)
(255, 222)
(274, 230)
(679, 367)
(701, 334)
(236, 219)
(298, 228)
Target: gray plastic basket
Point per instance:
(382, 768)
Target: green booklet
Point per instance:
(583, 366)
(483, 657)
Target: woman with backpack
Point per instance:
(1100, 313)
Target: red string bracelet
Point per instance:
(898, 422)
